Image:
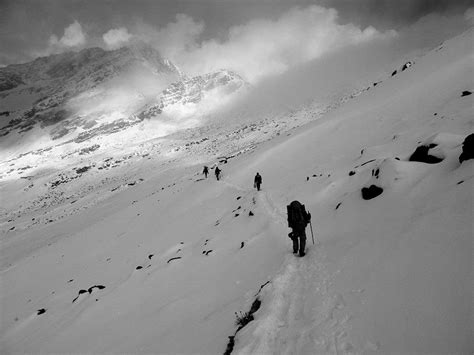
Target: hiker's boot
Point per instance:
(302, 246)
(295, 245)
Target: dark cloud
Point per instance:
(27, 26)
(393, 13)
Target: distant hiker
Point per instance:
(257, 181)
(205, 171)
(298, 219)
(217, 171)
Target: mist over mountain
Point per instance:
(79, 95)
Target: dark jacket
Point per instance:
(298, 218)
(258, 179)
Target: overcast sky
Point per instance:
(254, 37)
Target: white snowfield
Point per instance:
(161, 265)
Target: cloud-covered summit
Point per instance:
(256, 39)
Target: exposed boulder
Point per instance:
(371, 192)
(466, 93)
(467, 148)
(422, 155)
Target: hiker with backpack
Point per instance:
(298, 219)
(257, 181)
(217, 171)
(205, 171)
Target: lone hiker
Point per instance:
(257, 181)
(205, 171)
(298, 219)
(217, 171)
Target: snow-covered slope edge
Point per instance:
(392, 274)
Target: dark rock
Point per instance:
(466, 93)
(41, 311)
(242, 245)
(367, 162)
(175, 258)
(394, 73)
(83, 169)
(230, 346)
(421, 155)
(467, 148)
(251, 213)
(406, 66)
(338, 205)
(255, 306)
(352, 172)
(371, 192)
(139, 267)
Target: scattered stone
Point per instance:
(150, 256)
(83, 169)
(139, 267)
(41, 311)
(90, 289)
(367, 162)
(407, 65)
(371, 192)
(239, 197)
(251, 213)
(352, 172)
(394, 73)
(466, 93)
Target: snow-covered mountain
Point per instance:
(80, 95)
(193, 91)
(122, 246)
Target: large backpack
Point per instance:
(297, 216)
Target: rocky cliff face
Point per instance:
(192, 90)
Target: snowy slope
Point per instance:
(174, 255)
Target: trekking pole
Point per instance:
(311, 227)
